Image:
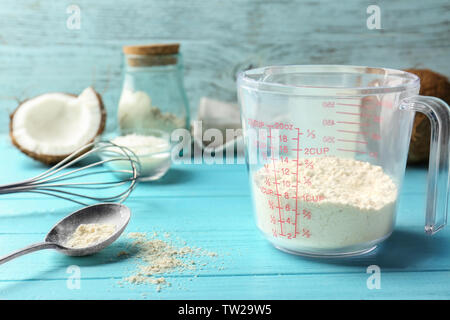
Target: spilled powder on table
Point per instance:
(157, 257)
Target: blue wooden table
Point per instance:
(209, 206)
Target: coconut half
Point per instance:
(51, 126)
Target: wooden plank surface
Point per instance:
(212, 209)
(38, 53)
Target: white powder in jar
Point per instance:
(89, 234)
(331, 203)
(137, 112)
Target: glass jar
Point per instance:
(153, 95)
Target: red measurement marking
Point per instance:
(316, 151)
(355, 151)
(349, 122)
(342, 98)
(306, 214)
(309, 164)
(274, 232)
(363, 115)
(328, 122)
(306, 233)
(312, 198)
(356, 141)
(349, 131)
(255, 123)
(355, 105)
(296, 185)
(276, 189)
(349, 113)
(311, 134)
(349, 104)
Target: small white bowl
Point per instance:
(155, 159)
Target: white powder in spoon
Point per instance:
(89, 234)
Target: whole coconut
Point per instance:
(431, 84)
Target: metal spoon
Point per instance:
(103, 213)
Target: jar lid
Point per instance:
(152, 49)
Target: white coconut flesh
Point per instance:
(57, 123)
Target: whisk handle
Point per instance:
(29, 249)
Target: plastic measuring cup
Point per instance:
(326, 147)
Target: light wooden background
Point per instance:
(38, 53)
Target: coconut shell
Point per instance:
(53, 159)
(431, 84)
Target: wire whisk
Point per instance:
(110, 179)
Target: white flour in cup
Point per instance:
(341, 202)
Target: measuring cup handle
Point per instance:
(29, 249)
(438, 169)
